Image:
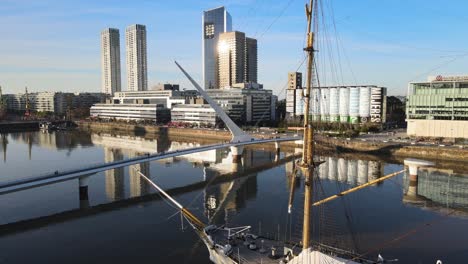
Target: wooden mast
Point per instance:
(307, 151)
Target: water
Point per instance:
(116, 228)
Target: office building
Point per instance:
(200, 114)
(110, 61)
(214, 22)
(293, 93)
(86, 100)
(251, 60)
(164, 98)
(152, 112)
(246, 106)
(165, 86)
(438, 107)
(137, 69)
(237, 59)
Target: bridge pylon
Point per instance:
(238, 135)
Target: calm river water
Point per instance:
(114, 227)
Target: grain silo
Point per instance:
(364, 104)
(325, 104)
(334, 104)
(344, 104)
(354, 105)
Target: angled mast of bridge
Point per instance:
(238, 135)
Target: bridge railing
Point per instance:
(59, 176)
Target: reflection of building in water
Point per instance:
(437, 187)
(51, 140)
(4, 146)
(138, 185)
(363, 170)
(342, 170)
(126, 143)
(332, 168)
(115, 189)
(132, 147)
(352, 172)
(375, 170)
(225, 198)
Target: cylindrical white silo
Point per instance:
(364, 104)
(352, 172)
(315, 104)
(299, 102)
(325, 104)
(344, 104)
(332, 168)
(334, 104)
(354, 105)
(342, 170)
(362, 171)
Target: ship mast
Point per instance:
(307, 151)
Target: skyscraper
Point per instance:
(251, 60)
(110, 61)
(214, 22)
(137, 70)
(237, 59)
(231, 58)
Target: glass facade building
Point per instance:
(438, 107)
(214, 22)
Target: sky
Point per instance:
(54, 45)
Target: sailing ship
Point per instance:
(236, 245)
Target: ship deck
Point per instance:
(261, 253)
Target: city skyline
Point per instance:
(389, 51)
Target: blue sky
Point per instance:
(55, 45)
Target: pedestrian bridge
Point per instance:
(83, 173)
(239, 139)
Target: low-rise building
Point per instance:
(86, 100)
(201, 114)
(53, 102)
(438, 107)
(152, 112)
(246, 106)
(167, 98)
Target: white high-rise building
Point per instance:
(137, 69)
(215, 21)
(110, 61)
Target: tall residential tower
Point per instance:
(137, 70)
(215, 21)
(110, 61)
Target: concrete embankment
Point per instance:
(18, 126)
(141, 130)
(393, 151)
(397, 151)
(172, 132)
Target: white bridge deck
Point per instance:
(60, 176)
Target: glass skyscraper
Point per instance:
(215, 21)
